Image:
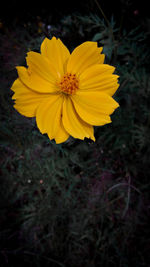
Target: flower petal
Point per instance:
(41, 66)
(26, 100)
(36, 82)
(48, 115)
(99, 77)
(84, 56)
(61, 135)
(57, 53)
(72, 122)
(94, 107)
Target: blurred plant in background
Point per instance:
(78, 203)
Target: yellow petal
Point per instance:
(26, 100)
(41, 66)
(57, 53)
(22, 92)
(94, 107)
(73, 123)
(36, 82)
(99, 77)
(48, 115)
(84, 56)
(61, 135)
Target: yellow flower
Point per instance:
(67, 93)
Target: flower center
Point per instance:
(69, 84)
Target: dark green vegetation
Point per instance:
(79, 203)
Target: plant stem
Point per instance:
(99, 7)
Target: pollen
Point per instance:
(69, 84)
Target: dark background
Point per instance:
(125, 241)
(28, 10)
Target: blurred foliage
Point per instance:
(78, 203)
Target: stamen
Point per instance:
(69, 84)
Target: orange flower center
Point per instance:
(69, 84)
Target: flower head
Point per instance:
(67, 93)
